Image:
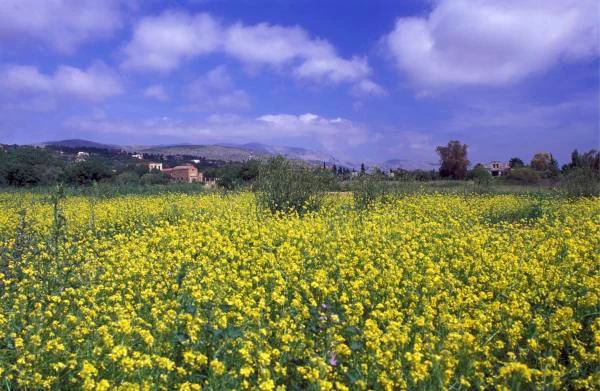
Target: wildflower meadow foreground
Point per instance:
(197, 292)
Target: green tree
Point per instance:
(453, 160)
(87, 172)
(29, 166)
(155, 178)
(515, 162)
(541, 161)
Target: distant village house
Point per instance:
(497, 168)
(137, 156)
(186, 173)
(155, 166)
(81, 156)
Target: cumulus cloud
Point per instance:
(215, 91)
(368, 87)
(164, 42)
(60, 24)
(94, 83)
(492, 42)
(156, 91)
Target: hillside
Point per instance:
(224, 152)
(78, 143)
(212, 152)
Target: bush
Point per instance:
(87, 172)
(155, 178)
(367, 190)
(285, 186)
(581, 182)
(481, 178)
(127, 178)
(530, 212)
(523, 176)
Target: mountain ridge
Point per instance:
(242, 152)
(225, 151)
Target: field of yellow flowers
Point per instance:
(197, 292)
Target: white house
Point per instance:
(81, 156)
(497, 168)
(155, 166)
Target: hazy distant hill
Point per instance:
(238, 153)
(213, 152)
(78, 143)
(408, 164)
(225, 152)
(296, 153)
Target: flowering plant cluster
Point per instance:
(190, 292)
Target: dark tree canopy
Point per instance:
(516, 162)
(453, 160)
(541, 161)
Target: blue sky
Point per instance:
(362, 80)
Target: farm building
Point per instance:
(497, 168)
(155, 166)
(186, 173)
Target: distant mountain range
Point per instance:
(241, 152)
(226, 152)
(77, 143)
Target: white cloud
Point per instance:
(266, 44)
(95, 83)
(24, 78)
(164, 42)
(331, 132)
(215, 91)
(368, 87)
(277, 45)
(492, 42)
(61, 24)
(156, 91)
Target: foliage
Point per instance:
(545, 163)
(590, 159)
(481, 178)
(155, 178)
(525, 213)
(523, 175)
(581, 181)
(367, 190)
(127, 178)
(516, 162)
(284, 185)
(202, 292)
(29, 166)
(453, 160)
(86, 172)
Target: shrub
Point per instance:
(285, 186)
(481, 178)
(530, 212)
(127, 178)
(367, 190)
(581, 182)
(87, 172)
(155, 178)
(523, 176)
